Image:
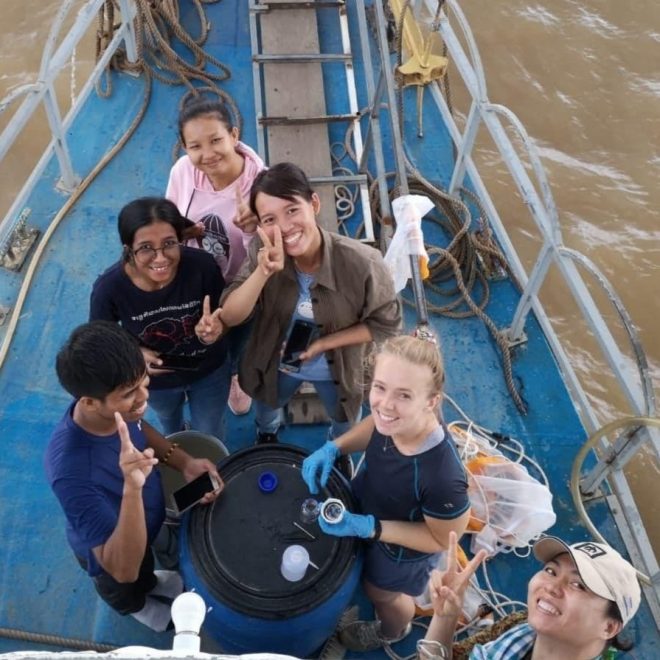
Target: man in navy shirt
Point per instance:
(100, 464)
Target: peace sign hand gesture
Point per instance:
(135, 465)
(245, 220)
(271, 256)
(448, 587)
(209, 328)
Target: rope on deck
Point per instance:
(55, 640)
(157, 27)
(471, 256)
(157, 24)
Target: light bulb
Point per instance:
(188, 612)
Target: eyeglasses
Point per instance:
(146, 254)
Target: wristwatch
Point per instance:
(378, 530)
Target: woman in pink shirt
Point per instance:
(210, 186)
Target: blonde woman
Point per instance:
(412, 489)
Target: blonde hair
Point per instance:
(420, 352)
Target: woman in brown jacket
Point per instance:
(333, 288)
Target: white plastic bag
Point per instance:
(408, 238)
(510, 508)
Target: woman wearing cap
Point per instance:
(577, 605)
(164, 295)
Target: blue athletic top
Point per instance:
(83, 471)
(164, 320)
(430, 483)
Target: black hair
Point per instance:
(201, 106)
(98, 358)
(283, 180)
(145, 211)
(617, 642)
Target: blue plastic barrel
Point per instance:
(231, 553)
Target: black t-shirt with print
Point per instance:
(164, 320)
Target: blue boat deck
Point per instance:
(43, 589)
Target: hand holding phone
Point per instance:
(187, 496)
(177, 363)
(301, 335)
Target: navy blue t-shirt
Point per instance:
(392, 486)
(83, 471)
(164, 320)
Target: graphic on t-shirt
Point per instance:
(168, 334)
(305, 309)
(215, 240)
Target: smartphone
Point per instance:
(190, 494)
(178, 363)
(301, 335)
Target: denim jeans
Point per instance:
(270, 419)
(207, 400)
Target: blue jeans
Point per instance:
(270, 419)
(207, 400)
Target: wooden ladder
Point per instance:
(290, 98)
(292, 118)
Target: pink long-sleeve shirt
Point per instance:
(192, 191)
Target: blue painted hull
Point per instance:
(43, 589)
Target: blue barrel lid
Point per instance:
(236, 544)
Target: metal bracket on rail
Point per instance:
(14, 252)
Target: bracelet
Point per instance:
(378, 530)
(168, 453)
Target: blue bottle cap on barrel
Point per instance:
(267, 482)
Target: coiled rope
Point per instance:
(469, 253)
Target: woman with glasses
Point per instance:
(163, 293)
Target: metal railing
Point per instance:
(637, 388)
(53, 60)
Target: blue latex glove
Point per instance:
(352, 524)
(321, 461)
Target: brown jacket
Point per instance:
(353, 285)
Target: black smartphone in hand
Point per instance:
(301, 335)
(178, 363)
(190, 494)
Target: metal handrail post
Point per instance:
(516, 331)
(386, 72)
(128, 11)
(374, 135)
(68, 179)
(357, 129)
(466, 146)
(256, 80)
(616, 456)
